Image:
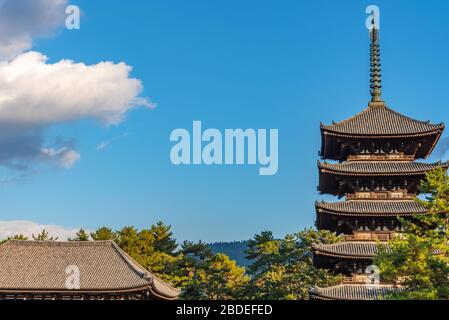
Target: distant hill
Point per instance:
(234, 250)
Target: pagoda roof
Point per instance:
(348, 249)
(379, 120)
(103, 266)
(379, 168)
(354, 292)
(371, 207)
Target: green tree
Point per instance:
(163, 238)
(191, 268)
(283, 269)
(153, 248)
(224, 279)
(103, 233)
(20, 237)
(43, 236)
(205, 276)
(263, 251)
(418, 260)
(81, 235)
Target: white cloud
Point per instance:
(23, 20)
(28, 228)
(35, 92)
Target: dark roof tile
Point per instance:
(354, 292)
(381, 121)
(349, 249)
(380, 167)
(371, 207)
(103, 266)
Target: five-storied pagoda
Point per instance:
(377, 174)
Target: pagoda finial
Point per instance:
(375, 69)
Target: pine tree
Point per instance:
(283, 269)
(43, 236)
(418, 260)
(224, 279)
(163, 237)
(103, 233)
(204, 275)
(19, 237)
(81, 235)
(153, 248)
(191, 269)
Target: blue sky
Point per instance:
(231, 64)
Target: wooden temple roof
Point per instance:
(379, 120)
(371, 207)
(40, 266)
(354, 292)
(379, 124)
(348, 249)
(379, 168)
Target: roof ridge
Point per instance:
(345, 120)
(384, 285)
(157, 284)
(99, 243)
(379, 113)
(348, 242)
(142, 272)
(412, 119)
(347, 165)
(381, 200)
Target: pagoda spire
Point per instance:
(375, 70)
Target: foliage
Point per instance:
(103, 234)
(283, 269)
(81, 235)
(419, 259)
(20, 237)
(205, 275)
(224, 279)
(153, 248)
(43, 236)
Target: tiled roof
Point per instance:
(354, 292)
(380, 167)
(381, 120)
(103, 267)
(371, 207)
(348, 249)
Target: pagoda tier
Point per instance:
(354, 176)
(352, 250)
(347, 258)
(365, 215)
(379, 130)
(353, 292)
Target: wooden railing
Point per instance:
(368, 236)
(356, 278)
(381, 157)
(391, 195)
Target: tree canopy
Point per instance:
(418, 260)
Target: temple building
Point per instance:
(373, 167)
(75, 270)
